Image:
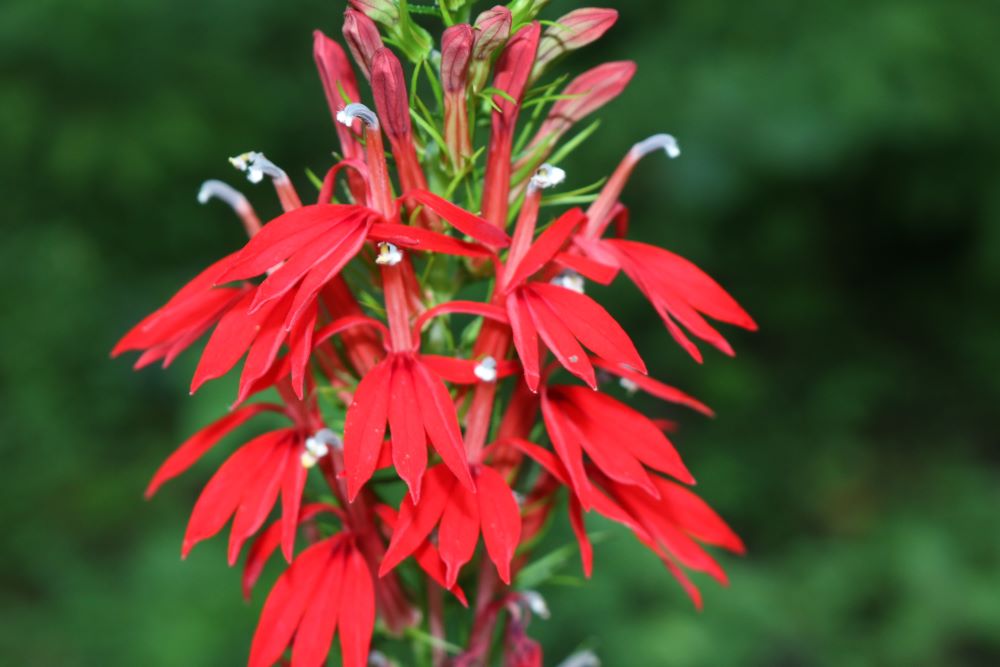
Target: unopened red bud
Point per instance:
(334, 72)
(492, 30)
(389, 89)
(456, 51)
(573, 31)
(383, 11)
(363, 39)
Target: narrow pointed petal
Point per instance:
(221, 496)
(285, 605)
(569, 451)
(462, 220)
(546, 246)
(265, 347)
(601, 274)
(591, 324)
(319, 620)
(198, 444)
(696, 517)
(525, 339)
(409, 443)
(415, 238)
(501, 520)
(655, 387)
(558, 337)
(441, 423)
(417, 520)
(357, 610)
(300, 340)
(292, 485)
(582, 539)
(458, 533)
(232, 337)
(259, 495)
(364, 427)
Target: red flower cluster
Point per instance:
(346, 311)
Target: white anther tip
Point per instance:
(665, 142)
(547, 176)
(388, 254)
(570, 280)
(536, 603)
(486, 370)
(354, 111)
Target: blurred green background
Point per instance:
(840, 176)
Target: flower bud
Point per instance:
(525, 10)
(389, 90)
(363, 39)
(456, 52)
(383, 11)
(492, 29)
(573, 31)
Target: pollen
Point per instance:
(629, 386)
(256, 166)
(354, 111)
(388, 254)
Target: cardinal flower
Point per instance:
(328, 587)
(681, 293)
(460, 516)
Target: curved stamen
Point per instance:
(664, 142)
(256, 166)
(355, 111)
(215, 189)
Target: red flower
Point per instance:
(328, 588)
(461, 516)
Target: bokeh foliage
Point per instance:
(840, 175)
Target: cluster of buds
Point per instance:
(426, 335)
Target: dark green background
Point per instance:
(840, 176)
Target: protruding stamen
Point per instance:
(388, 254)
(629, 386)
(256, 167)
(355, 110)
(318, 446)
(546, 176)
(213, 189)
(571, 280)
(534, 601)
(581, 659)
(486, 369)
(664, 142)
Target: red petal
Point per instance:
(591, 324)
(258, 498)
(282, 237)
(195, 447)
(416, 521)
(558, 337)
(364, 426)
(465, 222)
(357, 611)
(409, 444)
(655, 387)
(441, 422)
(300, 339)
(458, 533)
(292, 485)
(424, 240)
(568, 450)
(695, 516)
(231, 338)
(265, 347)
(319, 621)
(287, 602)
(463, 371)
(348, 321)
(221, 496)
(546, 246)
(486, 310)
(501, 520)
(580, 531)
(602, 274)
(525, 339)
